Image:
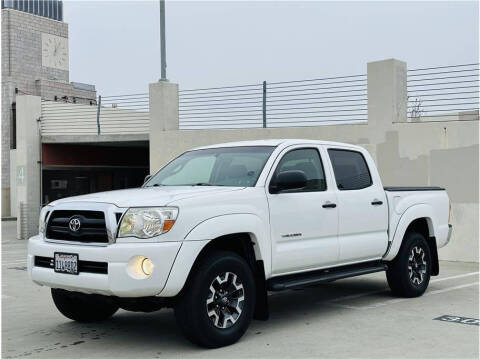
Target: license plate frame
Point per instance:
(66, 263)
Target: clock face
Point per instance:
(55, 52)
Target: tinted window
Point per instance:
(351, 170)
(306, 160)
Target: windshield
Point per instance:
(227, 166)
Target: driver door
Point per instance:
(303, 222)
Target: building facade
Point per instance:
(35, 61)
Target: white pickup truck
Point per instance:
(217, 227)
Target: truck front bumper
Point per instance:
(121, 279)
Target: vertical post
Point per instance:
(28, 178)
(163, 55)
(163, 115)
(264, 108)
(40, 159)
(387, 96)
(99, 105)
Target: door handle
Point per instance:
(376, 202)
(329, 205)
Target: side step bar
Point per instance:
(323, 275)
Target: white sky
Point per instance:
(115, 44)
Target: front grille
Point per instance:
(83, 266)
(93, 267)
(44, 262)
(92, 226)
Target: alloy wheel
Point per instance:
(225, 300)
(417, 265)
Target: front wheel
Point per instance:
(409, 273)
(217, 304)
(83, 307)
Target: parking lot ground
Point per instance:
(355, 317)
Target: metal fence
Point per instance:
(110, 115)
(328, 100)
(221, 107)
(443, 91)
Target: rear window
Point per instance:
(350, 169)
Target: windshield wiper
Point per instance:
(208, 184)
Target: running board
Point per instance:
(323, 275)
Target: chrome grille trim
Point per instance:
(109, 210)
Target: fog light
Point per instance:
(139, 267)
(147, 266)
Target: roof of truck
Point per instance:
(273, 142)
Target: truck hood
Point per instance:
(147, 197)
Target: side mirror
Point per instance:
(147, 177)
(288, 180)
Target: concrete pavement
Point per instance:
(355, 317)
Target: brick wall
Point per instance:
(49, 90)
(22, 69)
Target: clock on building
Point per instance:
(55, 52)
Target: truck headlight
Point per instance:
(42, 219)
(147, 222)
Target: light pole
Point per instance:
(163, 54)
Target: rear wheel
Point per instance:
(83, 307)
(217, 304)
(408, 274)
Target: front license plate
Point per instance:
(66, 263)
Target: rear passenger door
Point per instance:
(362, 206)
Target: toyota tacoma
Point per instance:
(218, 227)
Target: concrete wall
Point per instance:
(28, 178)
(441, 153)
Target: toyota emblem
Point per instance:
(74, 224)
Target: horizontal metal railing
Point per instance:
(319, 101)
(221, 107)
(328, 100)
(111, 115)
(443, 91)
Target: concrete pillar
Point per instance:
(8, 98)
(163, 114)
(163, 106)
(28, 168)
(387, 96)
(13, 184)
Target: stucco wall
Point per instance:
(439, 154)
(444, 154)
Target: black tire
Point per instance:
(409, 273)
(192, 308)
(83, 307)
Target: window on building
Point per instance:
(13, 127)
